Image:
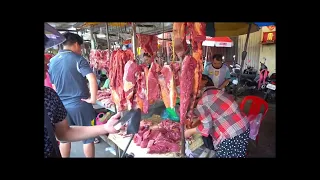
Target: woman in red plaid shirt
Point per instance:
(221, 118)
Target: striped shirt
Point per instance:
(220, 116)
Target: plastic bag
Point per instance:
(171, 114)
(165, 114)
(255, 121)
(201, 152)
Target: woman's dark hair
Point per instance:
(146, 54)
(71, 39)
(207, 78)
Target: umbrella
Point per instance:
(222, 29)
(55, 38)
(215, 41)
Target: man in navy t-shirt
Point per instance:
(68, 71)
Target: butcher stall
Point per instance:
(163, 89)
(134, 85)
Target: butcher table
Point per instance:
(119, 142)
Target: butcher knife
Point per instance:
(133, 118)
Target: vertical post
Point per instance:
(134, 39)
(183, 140)
(244, 52)
(107, 34)
(206, 60)
(243, 57)
(92, 38)
(163, 43)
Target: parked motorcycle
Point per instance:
(263, 76)
(234, 74)
(255, 82)
(248, 81)
(249, 69)
(270, 94)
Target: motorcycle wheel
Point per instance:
(239, 91)
(266, 95)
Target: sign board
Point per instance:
(271, 28)
(269, 37)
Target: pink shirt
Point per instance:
(47, 81)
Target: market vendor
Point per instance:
(218, 72)
(220, 117)
(147, 59)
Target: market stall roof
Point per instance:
(124, 30)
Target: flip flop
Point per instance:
(96, 140)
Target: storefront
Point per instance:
(268, 47)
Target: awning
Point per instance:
(215, 41)
(260, 24)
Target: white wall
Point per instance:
(253, 49)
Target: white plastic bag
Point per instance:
(255, 121)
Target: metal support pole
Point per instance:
(163, 44)
(244, 52)
(134, 39)
(183, 140)
(107, 34)
(92, 39)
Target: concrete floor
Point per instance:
(77, 150)
(265, 149)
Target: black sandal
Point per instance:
(96, 141)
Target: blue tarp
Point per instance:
(260, 24)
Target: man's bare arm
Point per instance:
(93, 87)
(224, 84)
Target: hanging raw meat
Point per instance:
(99, 59)
(141, 95)
(164, 91)
(153, 90)
(197, 31)
(116, 73)
(189, 65)
(168, 88)
(179, 38)
(129, 81)
(176, 69)
(197, 55)
(197, 36)
(149, 43)
(129, 54)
